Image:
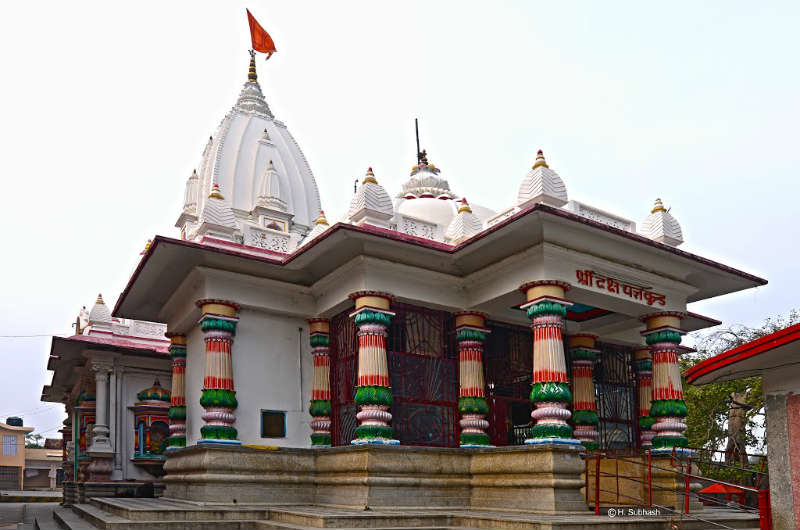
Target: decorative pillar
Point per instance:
(320, 408)
(471, 334)
(100, 448)
(663, 334)
(582, 354)
(177, 402)
(644, 384)
(546, 307)
(373, 393)
(218, 398)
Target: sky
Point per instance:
(106, 107)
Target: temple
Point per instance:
(522, 337)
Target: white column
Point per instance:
(101, 445)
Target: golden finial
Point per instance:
(146, 247)
(215, 193)
(99, 300)
(464, 206)
(540, 162)
(251, 73)
(659, 207)
(321, 219)
(370, 177)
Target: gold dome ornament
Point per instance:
(658, 207)
(215, 193)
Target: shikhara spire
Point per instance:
(251, 99)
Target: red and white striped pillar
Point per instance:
(320, 407)
(471, 333)
(644, 383)
(373, 391)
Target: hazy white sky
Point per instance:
(106, 107)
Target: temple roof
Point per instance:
(661, 226)
(542, 184)
(238, 157)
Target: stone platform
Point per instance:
(541, 479)
(171, 514)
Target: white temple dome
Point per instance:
(427, 197)
(542, 184)
(661, 226)
(371, 204)
(237, 158)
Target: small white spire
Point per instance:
(542, 185)
(371, 204)
(661, 226)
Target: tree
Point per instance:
(34, 441)
(729, 413)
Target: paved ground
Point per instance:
(12, 513)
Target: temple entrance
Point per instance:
(508, 359)
(423, 371)
(615, 387)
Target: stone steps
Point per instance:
(170, 514)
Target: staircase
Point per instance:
(172, 514)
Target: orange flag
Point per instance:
(261, 40)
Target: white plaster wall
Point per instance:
(193, 379)
(267, 370)
(266, 374)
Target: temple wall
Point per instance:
(543, 479)
(267, 374)
(271, 360)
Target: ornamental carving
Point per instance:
(268, 241)
(417, 228)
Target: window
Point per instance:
(9, 445)
(273, 424)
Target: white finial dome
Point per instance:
(464, 225)
(217, 218)
(100, 314)
(542, 184)
(661, 226)
(425, 182)
(237, 157)
(371, 204)
(270, 190)
(320, 226)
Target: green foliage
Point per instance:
(34, 441)
(473, 405)
(373, 395)
(709, 405)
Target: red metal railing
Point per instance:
(680, 469)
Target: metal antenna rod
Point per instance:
(416, 128)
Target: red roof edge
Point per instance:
(745, 351)
(437, 246)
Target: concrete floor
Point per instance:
(14, 513)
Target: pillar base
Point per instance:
(211, 441)
(667, 451)
(552, 441)
(375, 441)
